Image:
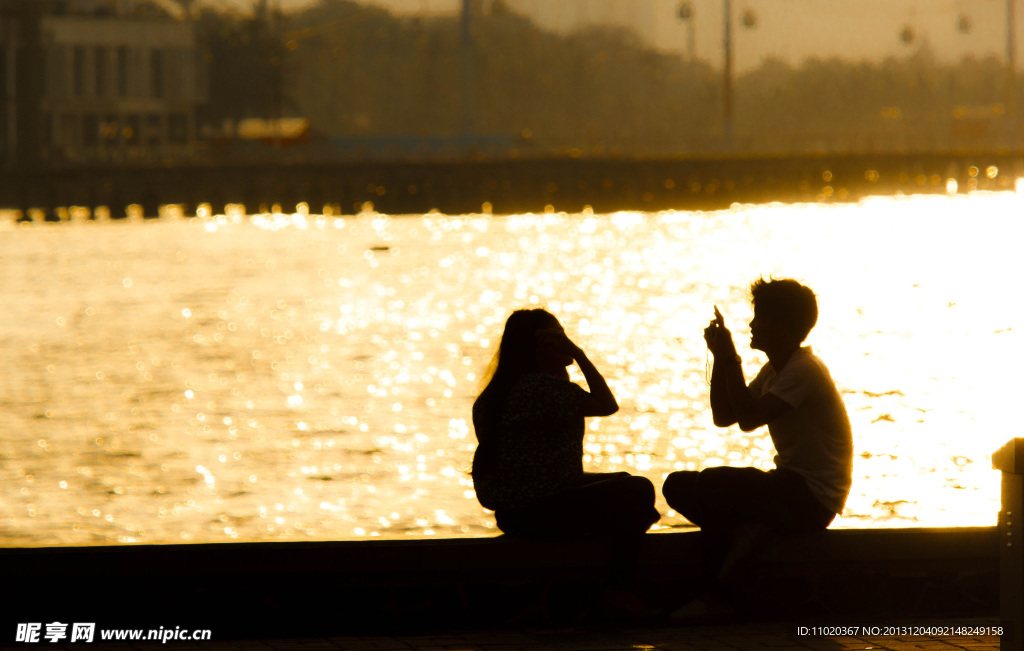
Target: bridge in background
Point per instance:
(509, 186)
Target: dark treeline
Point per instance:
(359, 72)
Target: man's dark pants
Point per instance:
(723, 499)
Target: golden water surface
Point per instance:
(296, 377)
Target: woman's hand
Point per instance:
(557, 340)
(601, 401)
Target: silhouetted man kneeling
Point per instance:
(794, 395)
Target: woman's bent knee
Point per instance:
(643, 488)
(680, 491)
(679, 483)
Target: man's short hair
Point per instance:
(786, 302)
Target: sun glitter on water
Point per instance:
(301, 376)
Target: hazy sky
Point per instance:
(790, 29)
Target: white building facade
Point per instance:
(115, 83)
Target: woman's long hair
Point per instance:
(516, 355)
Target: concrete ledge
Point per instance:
(384, 584)
(680, 549)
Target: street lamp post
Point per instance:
(727, 115)
(686, 15)
(1011, 74)
(468, 72)
(749, 21)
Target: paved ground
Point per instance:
(904, 636)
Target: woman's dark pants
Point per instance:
(615, 506)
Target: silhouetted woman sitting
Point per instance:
(528, 466)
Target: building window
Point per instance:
(101, 71)
(156, 72)
(91, 131)
(122, 72)
(68, 139)
(154, 131)
(177, 125)
(78, 71)
(47, 134)
(3, 106)
(46, 85)
(130, 132)
(110, 129)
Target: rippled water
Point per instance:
(286, 377)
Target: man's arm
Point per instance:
(721, 407)
(749, 412)
(731, 400)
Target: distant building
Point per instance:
(91, 81)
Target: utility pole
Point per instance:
(727, 77)
(29, 86)
(268, 17)
(686, 15)
(10, 24)
(468, 125)
(1011, 73)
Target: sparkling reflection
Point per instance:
(300, 376)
